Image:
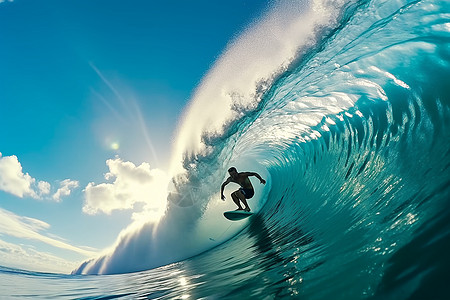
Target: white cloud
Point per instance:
(65, 188)
(44, 187)
(13, 180)
(30, 228)
(132, 184)
(27, 258)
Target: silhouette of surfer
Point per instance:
(246, 190)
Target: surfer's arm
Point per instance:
(223, 186)
(256, 175)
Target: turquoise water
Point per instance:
(354, 141)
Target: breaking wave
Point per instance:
(349, 123)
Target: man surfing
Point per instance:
(246, 190)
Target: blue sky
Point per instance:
(89, 88)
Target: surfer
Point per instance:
(246, 190)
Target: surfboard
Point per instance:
(236, 215)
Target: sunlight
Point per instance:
(115, 146)
(183, 281)
(126, 186)
(125, 108)
(156, 203)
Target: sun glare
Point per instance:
(115, 146)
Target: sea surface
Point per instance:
(354, 140)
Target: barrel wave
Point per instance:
(353, 136)
(359, 200)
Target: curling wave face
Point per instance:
(354, 137)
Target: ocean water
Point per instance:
(354, 140)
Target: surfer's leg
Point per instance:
(236, 200)
(241, 197)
